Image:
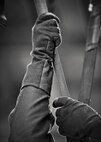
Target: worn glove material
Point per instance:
(74, 118)
(46, 37)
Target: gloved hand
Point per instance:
(46, 36)
(74, 118)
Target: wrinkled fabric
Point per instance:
(30, 120)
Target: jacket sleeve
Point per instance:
(30, 119)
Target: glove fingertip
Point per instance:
(55, 102)
(47, 16)
(59, 102)
(52, 16)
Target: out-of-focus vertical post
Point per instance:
(90, 53)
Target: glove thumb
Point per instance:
(59, 102)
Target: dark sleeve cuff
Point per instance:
(95, 130)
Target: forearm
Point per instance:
(30, 120)
(39, 74)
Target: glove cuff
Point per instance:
(39, 74)
(44, 52)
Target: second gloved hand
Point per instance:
(74, 118)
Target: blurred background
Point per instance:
(15, 47)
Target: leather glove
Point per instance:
(46, 36)
(74, 118)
